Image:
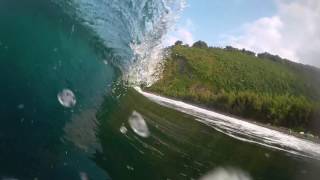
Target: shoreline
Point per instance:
(287, 131)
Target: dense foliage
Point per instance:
(262, 87)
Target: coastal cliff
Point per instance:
(262, 87)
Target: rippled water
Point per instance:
(64, 113)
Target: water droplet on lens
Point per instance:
(20, 106)
(67, 98)
(83, 176)
(226, 174)
(130, 168)
(123, 129)
(138, 124)
(267, 155)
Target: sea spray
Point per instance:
(133, 29)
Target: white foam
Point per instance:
(150, 52)
(241, 129)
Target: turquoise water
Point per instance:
(40, 56)
(48, 46)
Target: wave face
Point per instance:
(132, 29)
(242, 130)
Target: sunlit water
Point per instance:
(64, 114)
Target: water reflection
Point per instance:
(81, 131)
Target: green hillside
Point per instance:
(262, 87)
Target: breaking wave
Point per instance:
(133, 29)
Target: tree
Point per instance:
(200, 44)
(230, 48)
(269, 56)
(178, 43)
(250, 53)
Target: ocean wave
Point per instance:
(242, 130)
(133, 29)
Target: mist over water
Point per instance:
(65, 113)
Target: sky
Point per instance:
(289, 28)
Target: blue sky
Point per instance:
(211, 19)
(289, 28)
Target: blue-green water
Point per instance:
(48, 46)
(40, 56)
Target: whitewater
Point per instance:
(240, 129)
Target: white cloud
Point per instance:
(293, 32)
(182, 33)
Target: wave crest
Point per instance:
(133, 29)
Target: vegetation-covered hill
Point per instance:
(262, 87)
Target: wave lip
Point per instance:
(132, 29)
(242, 130)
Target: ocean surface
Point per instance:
(67, 110)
